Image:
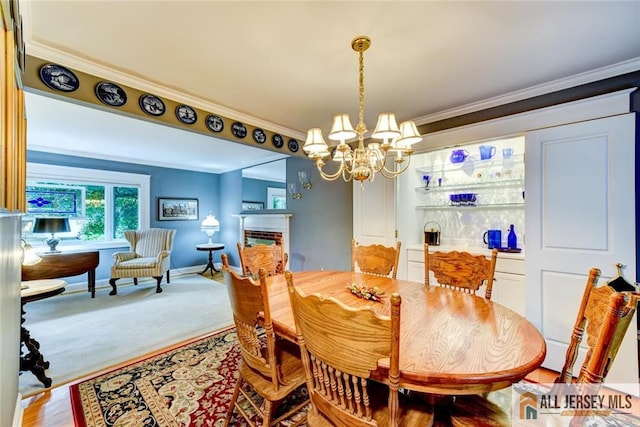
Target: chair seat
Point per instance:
(150, 262)
(292, 378)
(411, 410)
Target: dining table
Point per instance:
(451, 342)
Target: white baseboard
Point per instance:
(17, 413)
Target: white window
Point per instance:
(99, 204)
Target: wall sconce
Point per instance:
(302, 177)
(29, 256)
(293, 190)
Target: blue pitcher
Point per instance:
(458, 156)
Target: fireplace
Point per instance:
(266, 229)
(255, 237)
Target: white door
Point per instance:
(374, 212)
(579, 210)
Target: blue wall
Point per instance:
(321, 225)
(255, 190)
(165, 182)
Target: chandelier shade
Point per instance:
(342, 130)
(387, 127)
(363, 162)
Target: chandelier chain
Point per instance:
(361, 127)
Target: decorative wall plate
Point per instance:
(151, 104)
(238, 130)
(293, 145)
(59, 78)
(111, 94)
(259, 136)
(277, 141)
(186, 114)
(214, 123)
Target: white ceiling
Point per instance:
(288, 66)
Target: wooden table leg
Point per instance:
(210, 265)
(33, 361)
(92, 282)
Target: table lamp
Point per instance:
(52, 225)
(210, 225)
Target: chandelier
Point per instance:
(363, 162)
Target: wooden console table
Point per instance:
(65, 264)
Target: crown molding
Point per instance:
(542, 89)
(75, 62)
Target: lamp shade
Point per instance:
(409, 135)
(315, 142)
(387, 127)
(51, 225)
(342, 130)
(29, 255)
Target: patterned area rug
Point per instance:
(189, 386)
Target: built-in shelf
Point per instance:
(505, 183)
(476, 206)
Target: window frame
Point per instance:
(74, 175)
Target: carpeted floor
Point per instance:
(80, 335)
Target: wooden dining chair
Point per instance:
(341, 347)
(605, 315)
(461, 271)
(271, 258)
(375, 259)
(270, 367)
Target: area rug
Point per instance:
(191, 385)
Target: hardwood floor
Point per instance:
(52, 408)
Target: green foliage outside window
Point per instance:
(125, 210)
(93, 227)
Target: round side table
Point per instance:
(211, 248)
(33, 361)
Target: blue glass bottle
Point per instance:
(512, 239)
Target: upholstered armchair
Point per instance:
(149, 256)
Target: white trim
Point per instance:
(55, 172)
(18, 412)
(610, 104)
(542, 89)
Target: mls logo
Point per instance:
(528, 406)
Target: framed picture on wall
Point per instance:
(176, 209)
(252, 206)
(276, 198)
